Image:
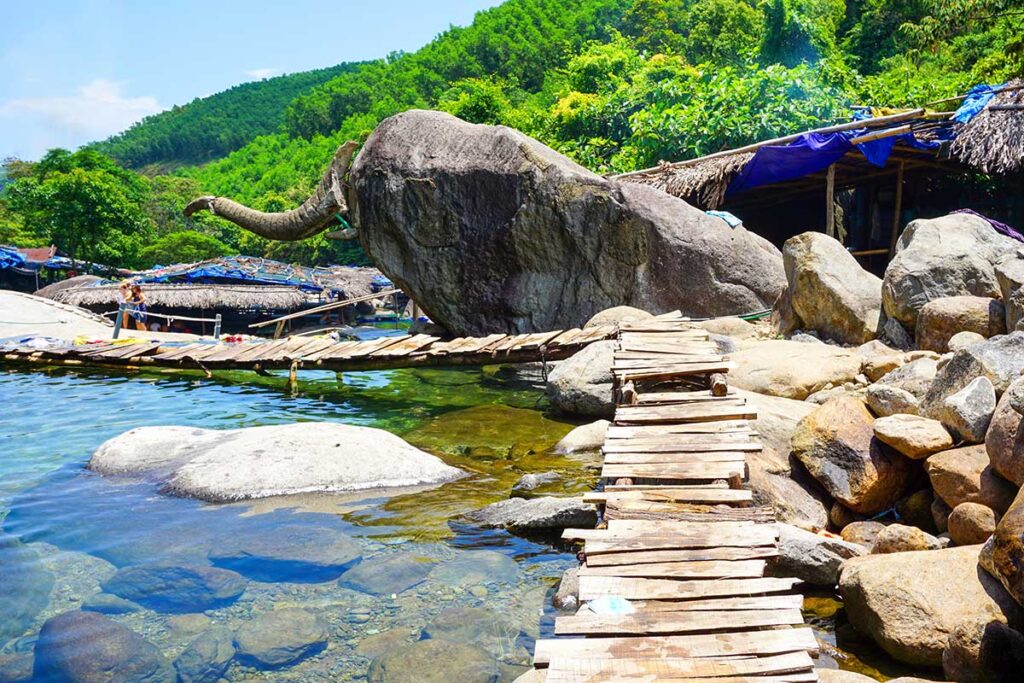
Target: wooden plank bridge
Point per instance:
(682, 549)
(318, 353)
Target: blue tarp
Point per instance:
(814, 152)
(10, 258)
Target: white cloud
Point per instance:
(259, 74)
(97, 110)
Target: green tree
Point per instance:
(182, 247)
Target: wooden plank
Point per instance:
(670, 371)
(689, 555)
(592, 587)
(482, 345)
(727, 644)
(790, 601)
(675, 471)
(672, 494)
(663, 360)
(683, 413)
(576, 670)
(682, 457)
(655, 438)
(597, 545)
(809, 677)
(405, 347)
(655, 623)
(369, 347)
(338, 350)
(653, 526)
(668, 449)
(723, 426)
(687, 512)
(251, 350)
(689, 569)
(176, 352)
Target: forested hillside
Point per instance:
(615, 84)
(210, 127)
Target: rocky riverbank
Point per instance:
(891, 413)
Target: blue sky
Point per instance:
(73, 71)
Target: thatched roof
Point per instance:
(701, 183)
(201, 297)
(993, 141)
(50, 291)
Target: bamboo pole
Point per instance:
(851, 125)
(325, 307)
(896, 210)
(830, 201)
(879, 134)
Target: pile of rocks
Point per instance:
(891, 411)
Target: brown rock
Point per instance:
(964, 475)
(1004, 441)
(841, 516)
(983, 651)
(971, 523)
(909, 603)
(1003, 554)
(864, 533)
(836, 444)
(618, 314)
(940, 514)
(899, 538)
(940, 319)
(790, 369)
(916, 510)
(914, 436)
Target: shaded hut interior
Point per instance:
(977, 165)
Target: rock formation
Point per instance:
(491, 231)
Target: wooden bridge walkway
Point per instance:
(681, 542)
(320, 353)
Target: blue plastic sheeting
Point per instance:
(10, 258)
(729, 218)
(977, 99)
(811, 153)
(236, 269)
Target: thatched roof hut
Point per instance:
(993, 141)
(51, 291)
(702, 182)
(193, 297)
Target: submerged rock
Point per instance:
(256, 462)
(909, 603)
(829, 290)
(24, 587)
(475, 567)
(489, 431)
(494, 631)
(388, 574)
(582, 385)
(434, 661)
(954, 255)
(280, 637)
(294, 553)
(173, 588)
(588, 437)
(207, 657)
(105, 603)
(85, 647)
(528, 483)
(518, 514)
(484, 227)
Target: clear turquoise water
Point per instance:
(79, 528)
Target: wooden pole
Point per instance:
(896, 210)
(830, 201)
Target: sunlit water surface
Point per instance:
(65, 531)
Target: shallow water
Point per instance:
(65, 531)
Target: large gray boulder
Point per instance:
(829, 290)
(257, 462)
(86, 647)
(813, 558)
(491, 231)
(910, 602)
(290, 552)
(953, 255)
(1000, 359)
(582, 384)
(1010, 276)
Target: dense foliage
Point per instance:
(615, 84)
(210, 127)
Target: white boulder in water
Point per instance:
(258, 462)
